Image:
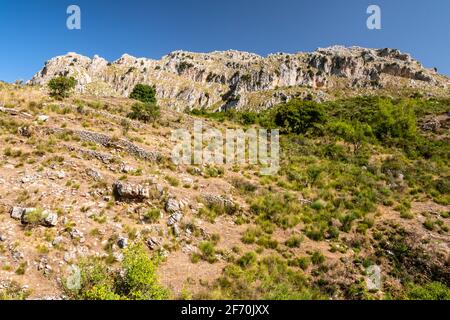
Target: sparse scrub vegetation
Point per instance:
(137, 281)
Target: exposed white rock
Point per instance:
(228, 78)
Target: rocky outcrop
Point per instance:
(227, 79)
(109, 142)
(131, 192)
(217, 201)
(34, 216)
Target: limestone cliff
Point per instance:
(237, 79)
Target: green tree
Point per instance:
(144, 93)
(300, 116)
(355, 133)
(394, 121)
(60, 87)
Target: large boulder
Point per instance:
(131, 192)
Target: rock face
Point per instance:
(232, 79)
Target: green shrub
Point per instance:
(145, 112)
(251, 234)
(247, 260)
(207, 252)
(140, 280)
(430, 291)
(152, 216)
(244, 185)
(302, 263)
(144, 93)
(270, 278)
(282, 210)
(294, 242)
(136, 278)
(12, 290)
(60, 87)
(317, 258)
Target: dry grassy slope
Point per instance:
(48, 171)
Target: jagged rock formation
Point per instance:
(232, 78)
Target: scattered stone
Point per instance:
(188, 182)
(17, 212)
(176, 230)
(126, 168)
(50, 218)
(174, 218)
(432, 125)
(76, 234)
(188, 249)
(24, 131)
(122, 242)
(70, 256)
(118, 256)
(57, 241)
(172, 206)
(60, 174)
(95, 175)
(153, 243)
(17, 255)
(43, 118)
(27, 179)
(44, 266)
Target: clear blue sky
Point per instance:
(31, 32)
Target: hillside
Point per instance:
(364, 180)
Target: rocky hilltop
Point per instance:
(221, 80)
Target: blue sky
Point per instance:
(33, 31)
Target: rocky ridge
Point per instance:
(234, 79)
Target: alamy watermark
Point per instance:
(374, 20)
(73, 281)
(74, 20)
(210, 146)
(373, 278)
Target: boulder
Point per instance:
(172, 206)
(95, 175)
(174, 218)
(153, 243)
(131, 192)
(126, 168)
(50, 218)
(122, 242)
(43, 118)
